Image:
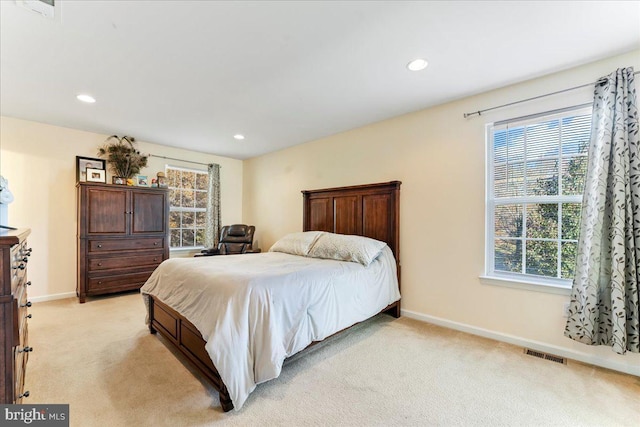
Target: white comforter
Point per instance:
(255, 310)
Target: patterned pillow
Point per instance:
(344, 247)
(296, 243)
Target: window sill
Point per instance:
(183, 252)
(192, 249)
(529, 285)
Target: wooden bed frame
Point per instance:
(367, 210)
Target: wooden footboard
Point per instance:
(185, 337)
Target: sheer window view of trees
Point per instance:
(188, 200)
(538, 178)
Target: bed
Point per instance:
(205, 327)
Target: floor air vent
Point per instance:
(545, 356)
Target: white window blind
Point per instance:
(536, 172)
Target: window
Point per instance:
(536, 174)
(188, 206)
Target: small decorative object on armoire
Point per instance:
(162, 180)
(96, 175)
(124, 159)
(122, 237)
(14, 257)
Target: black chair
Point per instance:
(234, 239)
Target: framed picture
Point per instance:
(82, 163)
(118, 180)
(96, 175)
(141, 181)
(162, 182)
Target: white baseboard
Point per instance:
(523, 342)
(52, 297)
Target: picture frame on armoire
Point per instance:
(82, 163)
(96, 175)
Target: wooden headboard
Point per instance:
(371, 210)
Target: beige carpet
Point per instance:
(100, 358)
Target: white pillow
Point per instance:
(296, 243)
(344, 247)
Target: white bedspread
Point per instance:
(255, 310)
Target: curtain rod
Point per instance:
(479, 112)
(179, 160)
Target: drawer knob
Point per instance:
(100, 282)
(28, 316)
(25, 394)
(28, 304)
(26, 350)
(155, 259)
(99, 246)
(99, 264)
(155, 243)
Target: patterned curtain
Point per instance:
(212, 226)
(604, 301)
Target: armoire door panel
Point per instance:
(106, 211)
(148, 212)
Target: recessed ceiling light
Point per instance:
(86, 98)
(238, 137)
(417, 64)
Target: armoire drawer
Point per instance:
(106, 245)
(148, 259)
(120, 281)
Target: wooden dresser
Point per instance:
(14, 257)
(122, 236)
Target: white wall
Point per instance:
(39, 161)
(440, 158)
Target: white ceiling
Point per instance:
(194, 73)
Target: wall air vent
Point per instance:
(43, 7)
(545, 356)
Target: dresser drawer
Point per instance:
(106, 245)
(118, 282)
(19, 370)
(21, 357)
(17, 279)
(20, 317)
(151, 259)
(19, 260)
